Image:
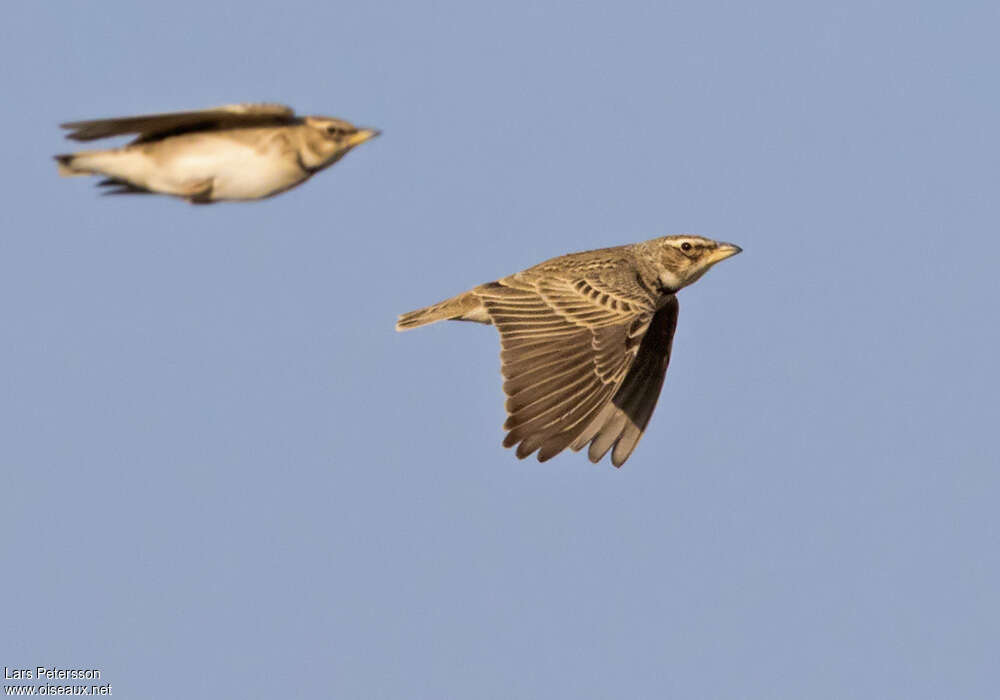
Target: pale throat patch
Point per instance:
(669, 280)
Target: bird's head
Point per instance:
(682, 260)
(332, 138)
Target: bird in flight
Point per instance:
(233, 152)
(585, 341)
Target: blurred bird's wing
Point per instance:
(152, 127)
(567, 347)
(622, 422)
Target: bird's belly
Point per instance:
(236, 171)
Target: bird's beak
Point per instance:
(723, 251)
(362, 135)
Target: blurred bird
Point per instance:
(233, 152)
(585, 340)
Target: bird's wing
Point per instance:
(567, 346)
(155, 126)
(621, 422)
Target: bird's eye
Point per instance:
(685, 246)
(334, 131)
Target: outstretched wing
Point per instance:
(151, 127)
(622, 422)
(567, 347)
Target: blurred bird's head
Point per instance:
(328, 139)
(682, 260)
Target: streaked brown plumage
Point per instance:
(233, 152)
(585, 341)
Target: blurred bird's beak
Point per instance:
(362, 135)
(725, 250)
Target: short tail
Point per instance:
(66, 168)
(464, 307)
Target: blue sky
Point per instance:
(224, 474)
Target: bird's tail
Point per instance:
(66, 168)
(464, 307)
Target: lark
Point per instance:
(234, 152)
(585, 341)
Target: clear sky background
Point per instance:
(224, 474)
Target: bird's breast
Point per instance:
(241, 165)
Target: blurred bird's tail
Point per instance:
(66, 168)
(464, 307)
(119, 163)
